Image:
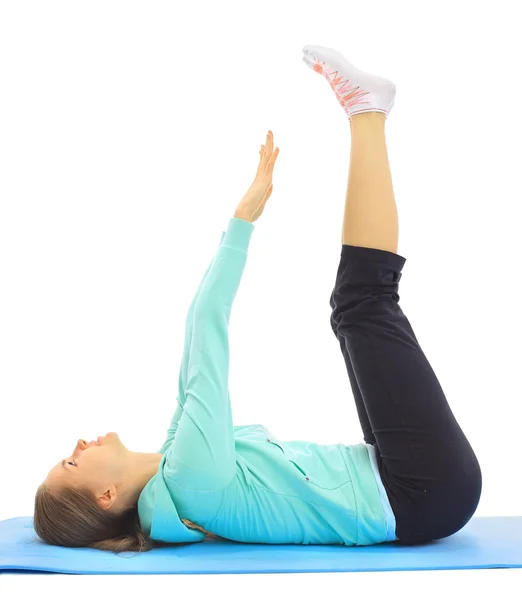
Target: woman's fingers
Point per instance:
(267, 155)
(269, 142)
(261, 165)
(271, 162)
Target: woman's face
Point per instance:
(96, 465)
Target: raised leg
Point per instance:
(370, 213)
(370, 216)
(429, 470)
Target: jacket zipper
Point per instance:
(290, 460)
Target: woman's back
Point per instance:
(294, 492)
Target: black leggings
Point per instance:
(428, 468)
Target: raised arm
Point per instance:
(202, 453)
(182, 377)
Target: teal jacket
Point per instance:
(241, 482)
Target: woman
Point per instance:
(416, 477)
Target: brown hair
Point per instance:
(73, 518)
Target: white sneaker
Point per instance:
(356, 90)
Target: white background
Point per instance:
(129, 133)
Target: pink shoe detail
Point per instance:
(348, 94)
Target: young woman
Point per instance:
(416, 477)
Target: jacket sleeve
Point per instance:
(184, 362)
(202, 454)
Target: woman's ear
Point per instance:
(108, 499)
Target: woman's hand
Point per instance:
(253, 203)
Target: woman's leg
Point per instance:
(428, 468)
(370, 213)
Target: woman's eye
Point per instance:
(71, 462)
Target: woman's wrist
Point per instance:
(241, 215)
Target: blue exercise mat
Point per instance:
(485, 543)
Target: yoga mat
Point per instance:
(484, 543)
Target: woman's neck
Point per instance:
(141, 468)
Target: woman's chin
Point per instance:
(111, 435)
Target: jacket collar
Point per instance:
(158, 514)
